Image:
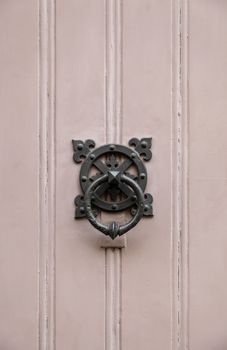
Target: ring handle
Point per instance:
(113, 229)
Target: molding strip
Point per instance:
(113, 71)
(47, 175)
(113, 133)
(180, 171)
(113, 268)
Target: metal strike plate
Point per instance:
(113, 178)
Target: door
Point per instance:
(109, 71)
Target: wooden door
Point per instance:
(111, 70)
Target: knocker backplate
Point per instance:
(114, 160)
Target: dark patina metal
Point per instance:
(114, 186)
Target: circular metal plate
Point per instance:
(129, 157)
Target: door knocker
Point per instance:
(118, 185)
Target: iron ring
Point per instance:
(114, 229)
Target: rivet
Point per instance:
(143, 144)
(82, 210)
(146, 207)
(142, 176)
(133, 155)
(92, 156)
(84, 178)
(112, 147)
(114, 206)
(80, 146)
(133, 198)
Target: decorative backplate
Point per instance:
(112, 160)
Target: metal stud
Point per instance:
(112, 147)
(133, 155)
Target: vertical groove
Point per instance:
(113, 261)
(113, 71)
(186, 211)
(119, 64)
(47, 174)
(180, 169)
(113, 133)
(52, 172)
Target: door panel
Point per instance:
(147, 110)
(80, 268)
(111, 70)
(19, 174)
(207, 176)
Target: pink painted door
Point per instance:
(111, 70)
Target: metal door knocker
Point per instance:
(118, 185)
